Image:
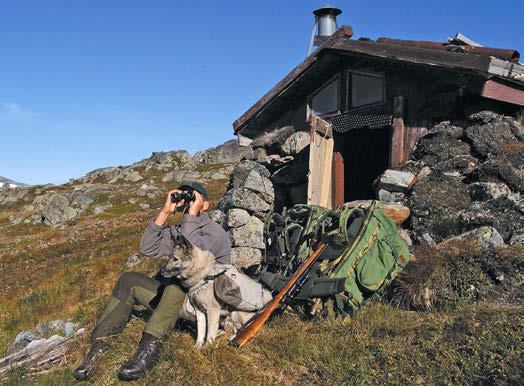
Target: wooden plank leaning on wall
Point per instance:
(398, 134)
(320, 182)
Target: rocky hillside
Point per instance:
(31, 214)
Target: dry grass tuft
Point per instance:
(444, 278)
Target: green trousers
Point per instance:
(132, 289)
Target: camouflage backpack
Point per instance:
(364, 254)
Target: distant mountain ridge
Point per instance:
(10, 183)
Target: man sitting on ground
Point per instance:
(163, 298)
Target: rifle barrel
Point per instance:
(249, 331)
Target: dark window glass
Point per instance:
(325, 101)
(366, 89)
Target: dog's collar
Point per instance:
(206, 279)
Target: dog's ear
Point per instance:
(201, 255)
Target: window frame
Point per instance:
(309, 103)
(349, 88)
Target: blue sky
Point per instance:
(88, 84)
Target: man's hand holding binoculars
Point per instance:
(176, 199)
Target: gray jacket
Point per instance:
(200, 231)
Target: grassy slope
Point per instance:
(49, 274)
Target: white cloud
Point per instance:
(13, 109)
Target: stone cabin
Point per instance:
(354, 108)
(379, 97)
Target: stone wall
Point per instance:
(271, 176)
(462, 177)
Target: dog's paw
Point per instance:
(199, 345)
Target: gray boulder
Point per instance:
(181, 176)
(396, 181)
(503, 214)
(228, 152)
(237, 217)
(164, 160)
(275, 161)
(487, 137)
(426, 237)
(148, 190)
(24, 338)
(435, 202)
(485, 117)
(127, 174)
(484, 237)
(21, 341)
(463, 163)
(102, 174)
(246, 166)
(255, 177)
(16, 219)
(218, 174)
(244, 199)
(245, 257)
(12, 195)
(495, 170)
(273, 139)
(258, 155)
(384, 195)
(482, 191)
(133, 176)
(433, 149)
(446, 128)
(295, 143)
(517, 238)
(258, 184)
(56, 324)
(69, 329)
(53, 210)
(82, 199)
(249, 235)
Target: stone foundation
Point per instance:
(272, 176)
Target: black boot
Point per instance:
(95, 352)
(145, 358)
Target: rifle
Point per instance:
(254, 325)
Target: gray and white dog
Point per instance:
(195, 270)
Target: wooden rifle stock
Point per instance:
(249, 331)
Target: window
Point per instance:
(326, 100)
(366, 88)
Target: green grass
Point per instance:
(481, 344)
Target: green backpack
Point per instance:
(364, 254)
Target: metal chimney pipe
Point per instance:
(326, 20)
